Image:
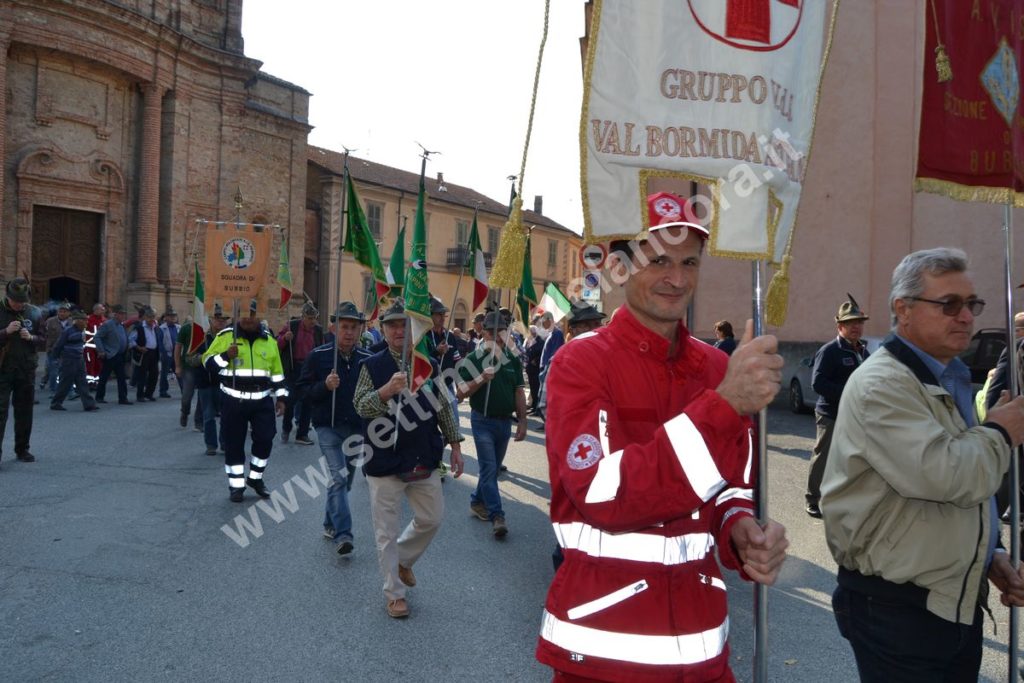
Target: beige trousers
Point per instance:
(427, 502)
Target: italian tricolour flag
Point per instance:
(200, 323)
(477, 267)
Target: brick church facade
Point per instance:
(123, 123)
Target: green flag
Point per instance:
(417, 297)
(527, 295)
(396, 266)
(359, 242)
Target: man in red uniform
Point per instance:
(651, 459)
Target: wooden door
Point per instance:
(65, 256)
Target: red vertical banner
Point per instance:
(971, 144)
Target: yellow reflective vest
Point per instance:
(255, 373)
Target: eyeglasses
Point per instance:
(954, 304)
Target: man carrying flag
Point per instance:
(187, 358)
(403, 464)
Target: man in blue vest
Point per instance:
(329, 380)
(403, 463)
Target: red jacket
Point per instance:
(650, 468)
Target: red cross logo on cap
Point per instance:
(757, 25)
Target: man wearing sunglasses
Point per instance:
(908, 492)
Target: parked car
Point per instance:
(981, 355)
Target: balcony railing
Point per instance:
(457, 257)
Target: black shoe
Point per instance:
(57, 406)
(183, 421)
(345, 548)
(26, 457)
(125, 402)
(236, 495)
(92, 408)
(165, 395)
(100, 400)
(813, 510)
(259, 487)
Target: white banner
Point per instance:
(708, 97)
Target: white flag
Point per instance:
(717, 93)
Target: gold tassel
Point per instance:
(942, 65)
(777, 299)
(507, 272)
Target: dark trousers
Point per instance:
(898, 642)
(145, 383)
(296, 407)
(236, 419)
(72, 372)
(17, 386)
(167, 367)
(113, 365)
(533, 377)
(819, 456)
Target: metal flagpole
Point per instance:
(458, 284)
(404, 367)
(337, 276)
(1014, 388)
(760, 496)
(234, 326)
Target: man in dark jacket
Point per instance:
(111, 345)
(70, 348)
(296, 341)
(329, 381)
(404, 435)
(20, 341)
(833, 364)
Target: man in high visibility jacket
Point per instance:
(245, 357)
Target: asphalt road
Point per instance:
(115, 567)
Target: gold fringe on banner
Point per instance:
(507, 272)
(777, 299)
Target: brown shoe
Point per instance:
(480, 511)
(406, 576)
(397, 609)
(499, 528)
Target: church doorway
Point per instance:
(65, 256)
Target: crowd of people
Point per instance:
(650, 465)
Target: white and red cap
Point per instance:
(666, 210)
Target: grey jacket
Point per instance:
(111, 338)
(906, 490)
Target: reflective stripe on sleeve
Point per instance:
(667, 550)
(220, 361)
(605, 484)
(281, 393)
(734, 493)
(693, 456)
(691, 648)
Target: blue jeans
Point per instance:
(209, 399)
(337, 516)
(166, 366)
(53, 370)
(490, 436)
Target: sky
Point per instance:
(455, 76)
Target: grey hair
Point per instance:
(548, 315)
(908, 278)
